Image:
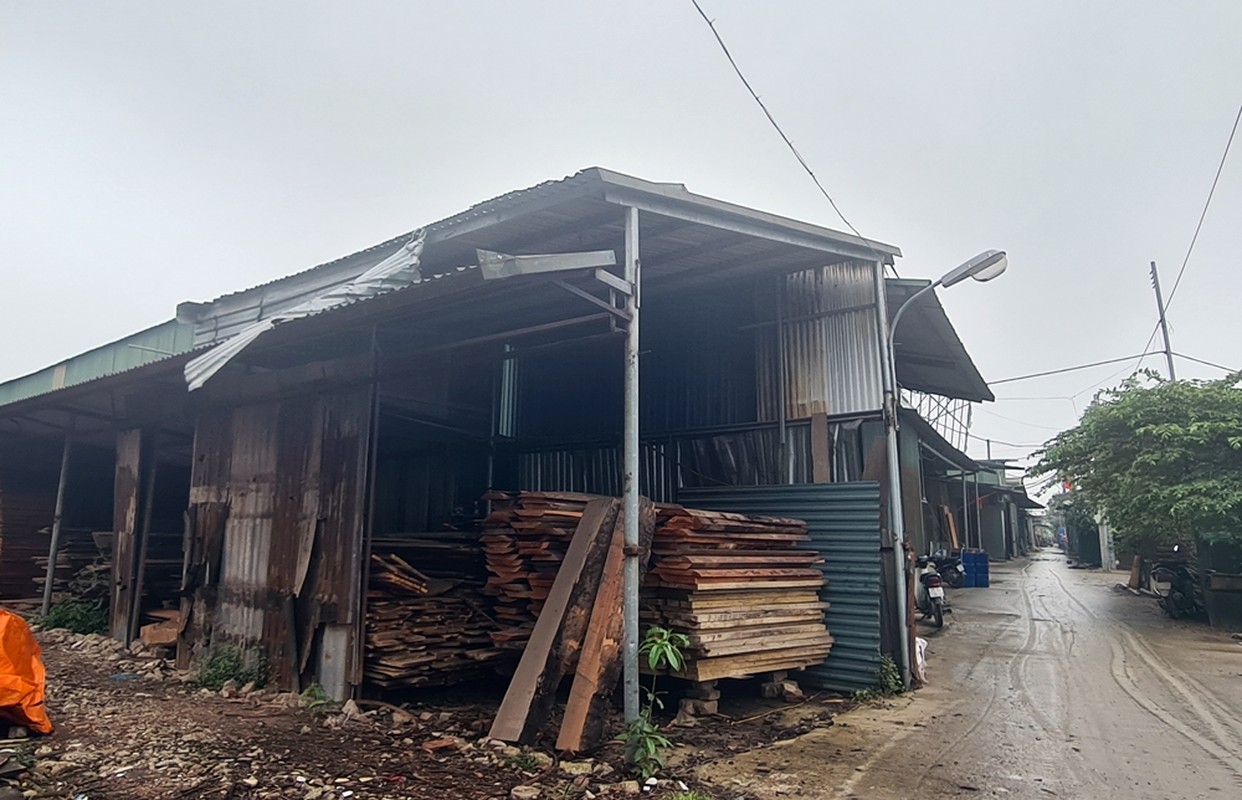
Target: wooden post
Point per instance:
(54, 548)
(143, 542)
(124, 524)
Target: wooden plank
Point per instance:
(600, 666)
(951, 522)
(821, 449)
(512, 718)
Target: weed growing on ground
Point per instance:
(690, 795)
(524, 762)
(224, 664)
(887, 683)
(77, 616)
(644, 742)
(316, 701)
(889, 678)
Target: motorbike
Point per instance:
(1177, 588)
(929, 591)
(950, 567)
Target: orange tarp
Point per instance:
(22, 677)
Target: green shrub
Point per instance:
(224, 664)
(77, 616)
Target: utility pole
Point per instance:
(1164, 322)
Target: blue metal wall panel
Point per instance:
(844, 523)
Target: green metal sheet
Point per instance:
(844, 523)
(145, 347)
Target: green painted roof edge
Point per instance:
(139, 349)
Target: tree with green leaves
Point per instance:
(1161, 459)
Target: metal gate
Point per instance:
(844, 523)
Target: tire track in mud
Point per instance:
(1199, 702)
(1008, 669)
(1123, 680)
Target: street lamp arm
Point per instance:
(909, 301)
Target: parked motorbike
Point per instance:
(950, 567)
(1177, 588)
(929, 591)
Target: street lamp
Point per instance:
(984, 267)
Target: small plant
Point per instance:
(887, 683)
(889, 678)
(862, 696)
(644, 742)
(523, 762)
(316, 701)
(77, 616)
(224, 664)
(690, 795)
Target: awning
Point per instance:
(931, 439)
(929, 355)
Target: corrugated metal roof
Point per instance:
(929, 354)
(154, 344)
(844, 523)
(575, 204)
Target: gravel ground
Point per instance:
(131, 728)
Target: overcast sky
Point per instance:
(157, 152)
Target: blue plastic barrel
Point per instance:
(982, 579)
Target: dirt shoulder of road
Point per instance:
(131, 728)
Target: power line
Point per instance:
(1198, 227)
(779, 130)
(1066, 369)
(1215, 180)
(1003, 442)
(1020, 422)
(1205, 363)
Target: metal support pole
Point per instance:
(965, 522)
(1164, 322)
(896, 517)
(782, 388)
(978, 519)
(54, 549)
(630, 480)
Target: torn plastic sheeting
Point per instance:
(23, 680)
(399, 270)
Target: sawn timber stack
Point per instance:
(740, 589)
(526, 537)
(424, 631)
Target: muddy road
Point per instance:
(1049, 684)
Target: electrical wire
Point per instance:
(1065, 369)
(1032, 445)
(1193, 239)
(1020, 422)
(1206, 363)
(788, 143)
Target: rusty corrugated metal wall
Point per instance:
(832, 348)
(277, 501)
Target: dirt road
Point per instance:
(1048, 684)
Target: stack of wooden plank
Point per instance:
(579, 630)
(77, 552)
(424, 631)
(740, 589)
(525, 540)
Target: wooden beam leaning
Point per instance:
(599, 665)
(540, 670)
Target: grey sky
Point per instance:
(158, 152)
